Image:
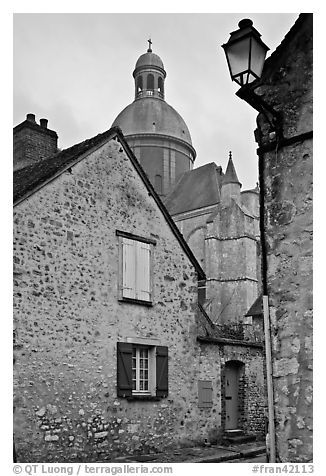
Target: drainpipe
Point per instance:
(268, 348)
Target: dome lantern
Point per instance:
(149, 75)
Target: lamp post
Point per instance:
(245, 53)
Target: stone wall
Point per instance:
(287, 86)
(69, 320)
(252, 397)
(231, 263)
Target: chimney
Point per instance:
(33, 142)
(44, 123)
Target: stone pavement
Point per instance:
(206, 454)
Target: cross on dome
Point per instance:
(149, 46)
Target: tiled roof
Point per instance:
(29, 178)
(195, 189)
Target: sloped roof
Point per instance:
(257, 307)
(140, 116)
(195, 189)
(302, 18)
(230, 175)
(28, 180)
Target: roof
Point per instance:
(150, 115)
(149, 59)
(282, 47)
(257, 307)
(230, 175)
(195, 189)
(30, 179)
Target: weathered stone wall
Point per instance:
(193, 227)
(252, 396)
(287, 86)
(68, 320)
(289, 234)
(231, 263)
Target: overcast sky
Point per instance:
(76, 71)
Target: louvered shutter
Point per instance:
(162, 384)
(143, 271)
(129, 268)
(205, 394)
(124, 369)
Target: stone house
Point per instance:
(107, 319)
(285, 157)
(105, 308)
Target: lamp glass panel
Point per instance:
(238, 55)
(258, 53)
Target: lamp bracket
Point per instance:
(273, 117)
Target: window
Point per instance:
(160, 85)
(158, 184)
(135, 270)
(201, 291)
(150, 82)
(142, 371)
(139, 84)
(205, 394)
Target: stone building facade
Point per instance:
(285, 155)
(72, 216)
(82, 341)
(221, 225)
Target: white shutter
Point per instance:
(143, 272)
(129, 268)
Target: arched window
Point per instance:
(150, 82)
(160, 85)
(158, 184)
(139, 84)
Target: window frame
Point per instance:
(158, 375)
(123, 238)
(151, 379)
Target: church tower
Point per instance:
(156, 133)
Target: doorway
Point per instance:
(232, 372)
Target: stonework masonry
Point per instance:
(287, 86)
(68, 320)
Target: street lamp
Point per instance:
(245, 53)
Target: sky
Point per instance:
(75, 69)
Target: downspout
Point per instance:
(268, 348)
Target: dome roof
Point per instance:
(149, 59)
(151, 115)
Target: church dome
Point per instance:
(149, 59)
(155, 132)
(152, 116)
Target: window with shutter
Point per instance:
(205, 394)
(135, 279)
(124, 369)
(142, 371)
